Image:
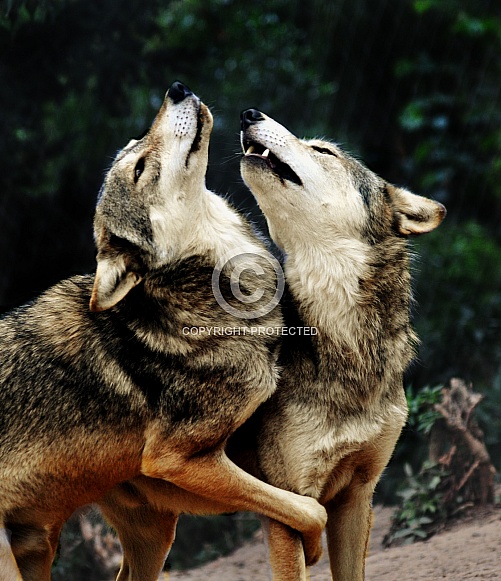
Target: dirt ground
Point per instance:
(470, 549)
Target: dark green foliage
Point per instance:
(459, 293)
(458, 288)
(422, 416)
(420, 508)
(458, 473)
(421, 511)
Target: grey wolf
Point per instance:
(99, 384)
(330, 428)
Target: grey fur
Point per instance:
(99, 383)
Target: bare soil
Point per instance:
(467, 549)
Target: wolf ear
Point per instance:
(415, 214)
(112, 282)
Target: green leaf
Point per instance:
(407, 493)
(434, 482)
(400, 534)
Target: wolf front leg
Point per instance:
(349, 524)
(33, 548)
(349, 511)
(215, 477)
(348, 529)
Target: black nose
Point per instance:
(178, 92)
(249, 117)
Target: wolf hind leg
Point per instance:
(146, 535)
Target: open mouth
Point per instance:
(253, 149)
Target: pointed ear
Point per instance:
(112, 282)
(415, 214)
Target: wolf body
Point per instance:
(330, 428)
(100, 383)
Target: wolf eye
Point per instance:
(138, 170)
(323, 150)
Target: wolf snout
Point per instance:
(249, 117)
(178, 92)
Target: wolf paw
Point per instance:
(312, 537)
(312, 554)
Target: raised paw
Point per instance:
(317, 518)
(312, 554)
(315, 514)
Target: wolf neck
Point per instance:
(218, 229)
(207, 226)
(351, 291)
(325, 283)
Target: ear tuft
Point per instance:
(415, 214)
(111, 284)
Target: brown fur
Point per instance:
(348, 277)
(92, 397)
(330, 428)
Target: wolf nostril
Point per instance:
(178, 92)
(249, 117)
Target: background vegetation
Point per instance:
(411, 86)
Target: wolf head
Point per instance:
(150, 196)
(323, 190)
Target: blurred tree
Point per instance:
(450, 135)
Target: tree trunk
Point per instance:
(457, 443)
